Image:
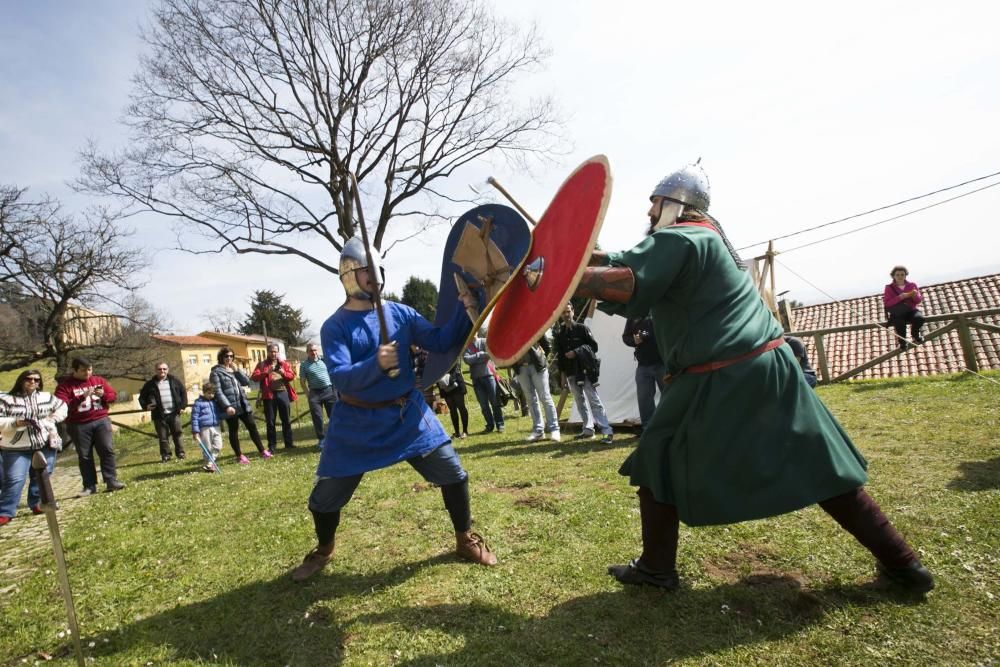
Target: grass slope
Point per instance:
(187, 568)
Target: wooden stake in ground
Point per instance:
(41, 467)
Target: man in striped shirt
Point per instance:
(315, 380)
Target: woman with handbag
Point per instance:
(28, 418)
(901, 298)
(452, 388)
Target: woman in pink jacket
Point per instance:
(901, 298)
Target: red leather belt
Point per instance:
(716, 365)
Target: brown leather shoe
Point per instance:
(471, 546)
(311, 564)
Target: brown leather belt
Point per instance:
(358, 403)
(716, 365)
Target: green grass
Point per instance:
(188, 568)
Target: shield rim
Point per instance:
(600, 158)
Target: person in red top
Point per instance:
(901, 298)
(275, 377)
(88, 397)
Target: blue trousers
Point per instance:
(647, 380)
(489, 401)
(16, 469)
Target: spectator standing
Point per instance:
(649, 371)
(205, 425)
(901, 298)
(533, 375)
(481, 371)
(315, 381)
(28, 418)
(576, 356)
(799, 350)
(275, 376)
(166, 397)
(452, 388)
(88, 396)
(231, 399)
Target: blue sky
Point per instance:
(801, 113)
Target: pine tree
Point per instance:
(268, 309)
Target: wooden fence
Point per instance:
(962, 322)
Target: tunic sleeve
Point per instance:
(441, 339)
(657, 262)
(348, 377)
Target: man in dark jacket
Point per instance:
(650, 370)
(576, 355)
(165, 395)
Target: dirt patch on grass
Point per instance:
(540, 501)
(755, 565)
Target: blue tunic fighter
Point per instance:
(381, 420)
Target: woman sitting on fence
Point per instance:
(901, 298)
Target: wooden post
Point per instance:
(965, 338)
(824, 367)
(770, 263)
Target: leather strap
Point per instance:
(716, 365)
(358, 403)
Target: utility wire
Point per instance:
(895, 217)
(875, 210)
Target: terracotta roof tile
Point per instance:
(850, 349)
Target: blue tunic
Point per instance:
(363, 439)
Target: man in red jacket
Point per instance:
(275, 377)
(88, 396)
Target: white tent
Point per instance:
(617, 382)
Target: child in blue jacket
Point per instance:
(205, 424)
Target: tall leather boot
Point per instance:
(860, 515)
(657, 566)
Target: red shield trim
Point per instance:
(564, 236)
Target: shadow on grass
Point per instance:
(566, 447)
(264, 623)
(280, 622)
(977, 476)
(632, 626)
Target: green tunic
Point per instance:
(750, 440)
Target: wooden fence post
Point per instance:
(824, 367)
(965, 338)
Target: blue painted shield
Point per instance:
(478, 260)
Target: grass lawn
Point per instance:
(189, 568)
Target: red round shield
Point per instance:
(564, 238)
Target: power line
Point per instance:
(876, 210)
(895, 217)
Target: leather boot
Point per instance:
(657, 566)
(472, 547)
(314, 561)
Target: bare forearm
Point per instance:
(607, 283)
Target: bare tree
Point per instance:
(249, 116)
(68, 286)
(224, 319)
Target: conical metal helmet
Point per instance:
(688, 185)
(352, 258)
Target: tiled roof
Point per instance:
(187, 340)
(255, 338)
(850, 349)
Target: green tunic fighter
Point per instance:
(738, 434)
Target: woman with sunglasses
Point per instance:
(231, 399)
(28, 418)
